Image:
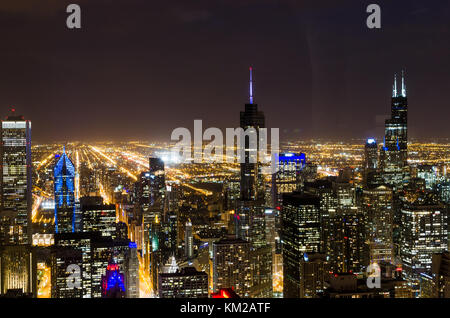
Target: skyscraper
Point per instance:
(250, 171)
(185, 283)
(231, 266)
(132, 272)
(395, 150)
(287, 178)
(424, 231)
(371, 154)
(16, 200)
(113, 282)
(371, 171)
(300, 234)
(98, 217)
(64, 185)
(346, 242)
(157, 186)
(378, 207)
(250, 217)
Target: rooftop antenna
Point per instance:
(251, 85)
(394, 90)
(403, 84)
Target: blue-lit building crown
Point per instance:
(64, 187)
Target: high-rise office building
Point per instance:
(287, 177)
(346, 245)
(378, 207)
(67, 280)
(371, 154)
(424, 232)
(300, 234)
(132, 272)
(64, 187)
(313, 273)
(185, 283)
(394, 155)
(441, 275)
(151, 187)
(16, 200)
(150, 204)
(157, 184)
(231, 266)
(323, 189)
(429, 174)
(98, 217)
(371, 168)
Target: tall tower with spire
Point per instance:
(395, 149)
(250, 172)
(250, 211)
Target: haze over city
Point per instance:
(138, 69)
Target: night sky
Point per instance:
(140, 68)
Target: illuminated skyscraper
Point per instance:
(441, 275)
(378, 207)
(113, 282)
(372, 176)
(394, 154)
(287, 178)
(347, 248)
(313, 274)
(156, 184)
(185, 283)
(371, 154)
(429, 174)
(16, 184)
(300, 234)
(64, 184)
(132, 272)
(231, 266)
(424, 231)
(150, 198)
(98, 217)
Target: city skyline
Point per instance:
(352, 201)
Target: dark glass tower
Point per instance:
(250, 216)
(16, 184)
(300, 234)
(395, 150)
(371, 154)
(64, 195)
(250, 172)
